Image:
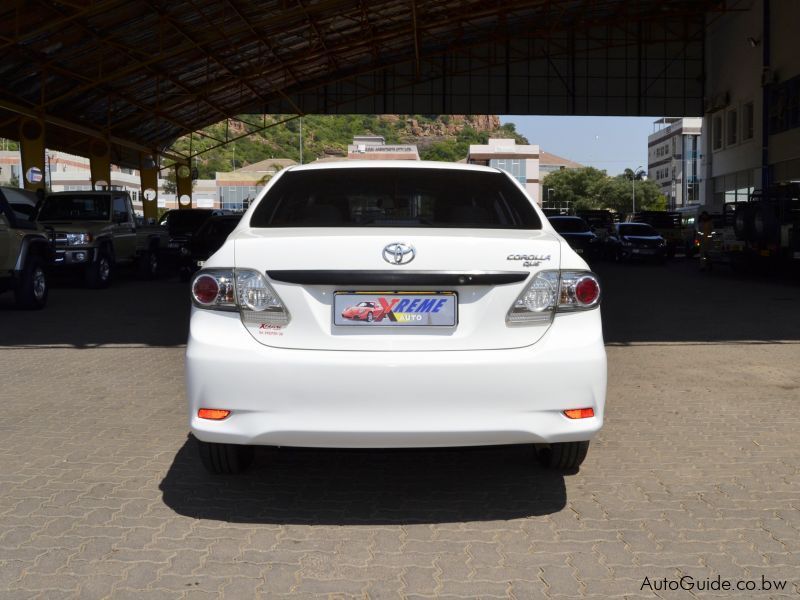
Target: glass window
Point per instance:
(408, 197)
(75, 206)
(120, 208)
(731, 127)
(716, 126)
(748, 121)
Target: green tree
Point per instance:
(576, 188)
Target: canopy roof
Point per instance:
(139, 73)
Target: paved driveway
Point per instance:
(696, 472)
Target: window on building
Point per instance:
(748, 121)
(716, 133)
(731, 127)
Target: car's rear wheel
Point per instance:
(225, 459)
(564, 455)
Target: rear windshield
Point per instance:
(637, 229)
(185, 220)
(75, 207)
(569, 225)
(408, 197)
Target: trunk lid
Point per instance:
(323, 261)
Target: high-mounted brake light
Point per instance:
(579, 413)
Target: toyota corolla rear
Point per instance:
(486, 327)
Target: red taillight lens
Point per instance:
(215, 414)
(587, 290)
(579, 413)
(205, 289)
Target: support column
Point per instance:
(148, 175)
(31, 143)
(100, 164)
(183, 180)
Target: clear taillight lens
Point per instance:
(537, 302)
(555, 291)
(258, 301)
(244, 290)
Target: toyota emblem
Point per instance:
(399, 254)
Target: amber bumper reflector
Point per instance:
(579, 413)
(215, 414)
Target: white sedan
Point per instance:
(392, 304)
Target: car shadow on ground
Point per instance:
(130, 312)
(367, 487)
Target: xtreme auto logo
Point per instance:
(410, 309)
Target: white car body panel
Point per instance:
(310, 383)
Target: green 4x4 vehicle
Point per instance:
(25, 249)
(97, 231)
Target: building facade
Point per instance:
(752, 100)
(521, 160)
(675, 159)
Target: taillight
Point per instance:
(580, 290)
(244, 290)
(214, 289)
(205, 290)
(550, 292)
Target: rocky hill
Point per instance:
(438, 137)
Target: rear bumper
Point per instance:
(394, 399)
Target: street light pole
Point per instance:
(633, 186)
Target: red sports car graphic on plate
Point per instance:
(364, 311)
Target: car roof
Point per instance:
(392, 164)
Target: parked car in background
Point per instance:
(25, 249)
(97, 231)
(578, 234)
(601, 221)
(208, 239)
(636, 241)
(181, 225)
(669, 225)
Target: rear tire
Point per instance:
(225, 459)
(564, 455)
(148, 264)
(31, 291)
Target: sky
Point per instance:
(610, 143)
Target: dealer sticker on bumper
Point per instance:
(370, 309)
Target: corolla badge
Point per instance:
(529, 260)
(398, 253)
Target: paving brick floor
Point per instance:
(695, 474)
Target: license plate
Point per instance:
(173, 245)
(579, 250)
(395, 309)
(643, 250)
